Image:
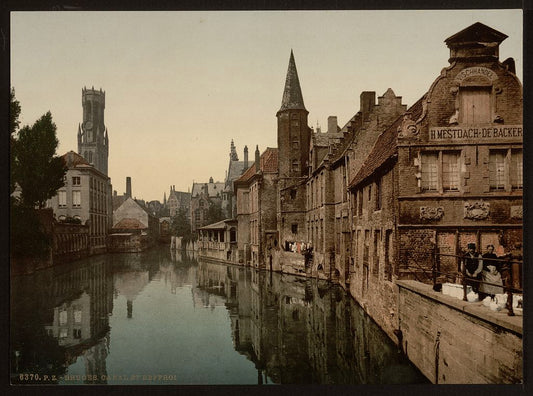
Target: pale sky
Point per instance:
(180, 85)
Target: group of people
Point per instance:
(487, 273)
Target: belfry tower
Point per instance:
(294, 137)
(93, 142)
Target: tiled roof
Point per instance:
(269, 160)
(385, 146)
(73, 159)
(183, 197)
(212, 188)
(129, 224)
(268, 163)
(248, 174)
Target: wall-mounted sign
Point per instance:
(476, 72)
(477, 133)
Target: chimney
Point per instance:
(114, 193)
(128, 186)
(367, 102)
(257, 158)
(332, 124)
(245, 157)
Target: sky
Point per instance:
(181, 85)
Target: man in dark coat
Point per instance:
(472, 267)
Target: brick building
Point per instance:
(256, 192)
(334, 157)
(445, 174)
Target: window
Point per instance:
(475, 105)
(62, 199)
(450, 171)
(295, 144)
(429, 172)
(76, 181)
(295, 166)
(497, 169)
(294, 228)
(76, 333)
(377, 238)
(378, 194)
(517, 176)
(76, 199)
(505, 169)
(293, 193)
(360, 202)
(440, 171)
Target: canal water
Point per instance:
(160, 318)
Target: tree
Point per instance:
(214, 212)
(36, 168)
(180, 224)
(39, 174)
(14, 113)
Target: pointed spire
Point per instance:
(233, 153)
(292, 95)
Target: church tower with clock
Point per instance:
(93, 142)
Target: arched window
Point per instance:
(90, 159)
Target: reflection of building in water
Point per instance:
(129, 285)
(82, 301)
(211, 290)
(307, 331)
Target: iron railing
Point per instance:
(425, 266)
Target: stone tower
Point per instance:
(93, 142)
(294, 136)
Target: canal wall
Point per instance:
(453, 341)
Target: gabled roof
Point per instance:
(269, 160)
(292, 94)
(235, 170)
(73, 159)
(268, 163)
(212, 188)
(248, 174)
(477, 32)
(385, 147)
(129, 224)
(118, 200)
(183, 197)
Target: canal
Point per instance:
(160, 318)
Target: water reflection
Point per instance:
(119, 319)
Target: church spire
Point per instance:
(233, 153)
(292, 95)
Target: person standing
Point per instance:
(491, 277)
(472, 267)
